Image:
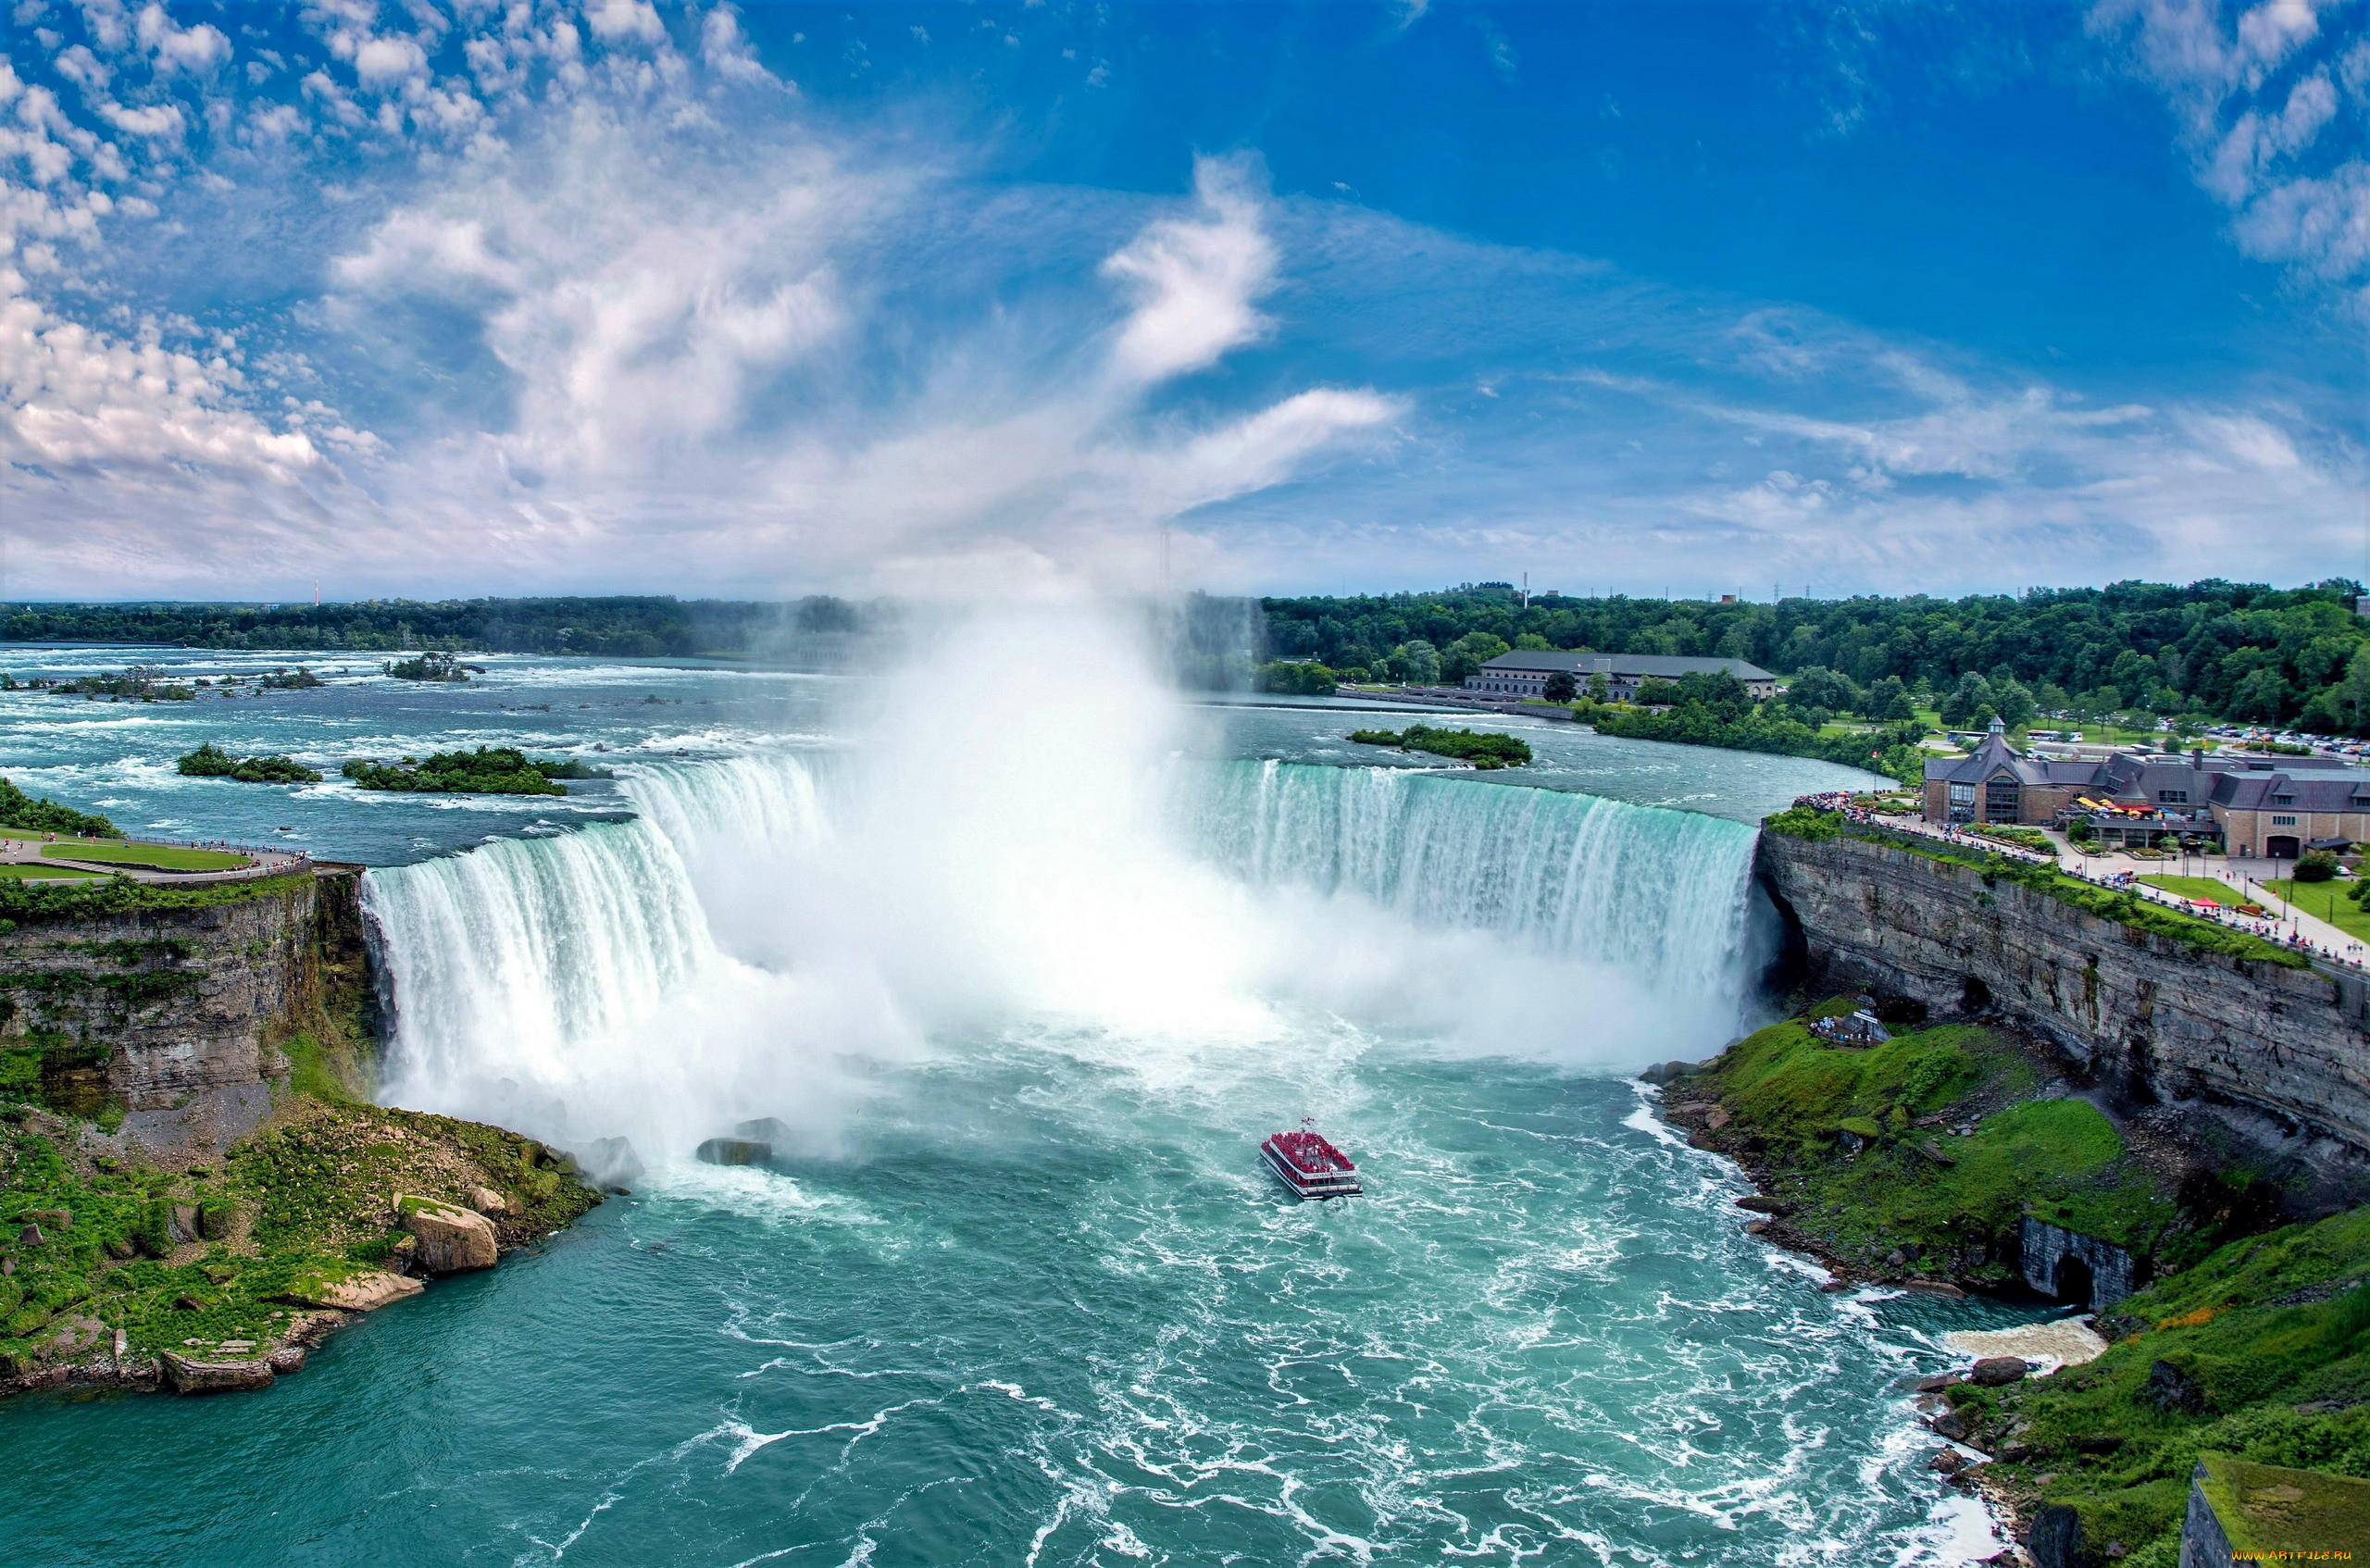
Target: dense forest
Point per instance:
(624, 627)
(2213, 649)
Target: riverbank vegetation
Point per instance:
(1713, 709)
(20, 811)
(619, 626)
(2122, 907)
(1291, 679)
(26, 901)
(489, 770)
(2261, 1351)
(1483, 750)
(210, 761)
(1918, 1158)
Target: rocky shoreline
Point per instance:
(1701, 1121)
(1955, 1159)
(224, 1273)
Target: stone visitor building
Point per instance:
(2246, 805)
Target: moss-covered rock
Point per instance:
(300, 1215)
(1933, 1145)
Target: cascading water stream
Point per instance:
(1659, 893)
(713, 957)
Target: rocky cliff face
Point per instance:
(159, 1008)
(2279, 1056)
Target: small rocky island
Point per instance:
(1483, 749)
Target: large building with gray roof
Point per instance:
(1525, 673)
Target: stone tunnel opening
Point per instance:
(2075, 1282)
(1975, 997)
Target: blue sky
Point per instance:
(444, 298)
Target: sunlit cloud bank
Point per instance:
(557, 296)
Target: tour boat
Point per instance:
(1311, 1167)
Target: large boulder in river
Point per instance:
(366, 1291)
(764, 1130)
(195, 1375)
(1998, 1372)
(451, 1239)
(734, 1151)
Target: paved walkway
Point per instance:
(268, 863)
(2284, 923)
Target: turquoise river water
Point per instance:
(1016, 1290)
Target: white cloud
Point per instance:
(2322, 225)
(2256, 138)
(617, 319)
(160, 122)
(727, 51)
(1195, 279)
(615, 21)
(81, 66)
(199, 50)
(75, 399)
(382, 63)
(109, 23)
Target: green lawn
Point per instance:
(2326, 900)
(164, 856)
(44, 873)
(2205, 888)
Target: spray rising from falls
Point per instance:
(769, 930)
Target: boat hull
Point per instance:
(1327, 1183)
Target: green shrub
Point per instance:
(209, 760)
(489, 770)
(20, 811)
(35, 902)
(2316, 865)
(1296, 679)
(1484, 751)
(1805, 822)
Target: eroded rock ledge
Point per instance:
(2279, 1056)
(221, 1274)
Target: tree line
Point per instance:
(2209, 650)
(614, 627)
(2212, 650)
